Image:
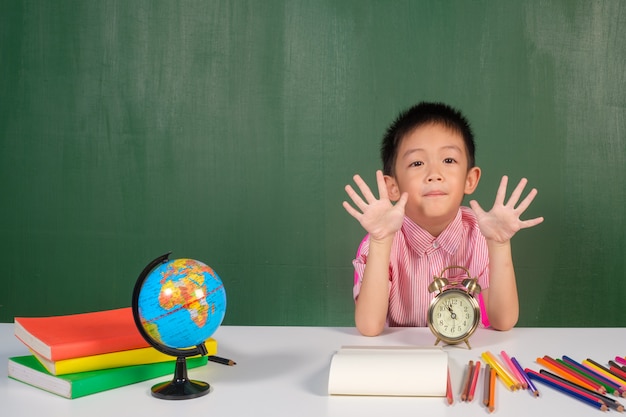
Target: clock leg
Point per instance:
(467, 343)
(437, 341)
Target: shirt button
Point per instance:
(435, 244)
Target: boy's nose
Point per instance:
(434, 177)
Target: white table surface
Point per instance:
(283, 371)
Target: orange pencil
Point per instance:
(472, 389)
(492, 390)
(568, 373)
(466, 382)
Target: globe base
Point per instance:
(181, 387)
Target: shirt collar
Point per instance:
(423, 242)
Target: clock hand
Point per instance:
(452, 313)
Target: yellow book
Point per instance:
(119, 359)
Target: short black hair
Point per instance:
(423, 114)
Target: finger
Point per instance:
(365, 189)
(382, 185)
(517, 193)
(530, 223)
(476, 207)
(356, 198)
(401, 203)
(352, 211)
(501, 191)
(526, 201)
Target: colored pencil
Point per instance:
(589, 374)
(492, 390)
(529, 383)
(567, 373)
(449, 395)
(618, 389)
(593, 374)
(617, 371)
(521, 381)
(486, 384)
(620, 360)
(611, 403)
(472, 389)
(618, 366)
(605, 371)
(562, 388)
(466, 381)
(222, 361)
(495, 364)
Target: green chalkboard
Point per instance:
(225, 130)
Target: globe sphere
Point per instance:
(181, 303)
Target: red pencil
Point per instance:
(466, 382)
(449, 394)
(472, 389)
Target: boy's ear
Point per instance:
(471, 181)
(392, 188)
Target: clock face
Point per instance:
(453, 315)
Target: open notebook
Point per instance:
(388, 370)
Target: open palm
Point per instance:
(379, 216)
(503, 220)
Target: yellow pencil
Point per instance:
(607, 375)
(506, 379)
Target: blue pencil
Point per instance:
(531, 386)
(550, 382)
(590, 373)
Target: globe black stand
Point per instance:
(180, 387)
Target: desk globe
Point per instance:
(177, 305)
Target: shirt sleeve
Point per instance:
(359, 265)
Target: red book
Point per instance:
(77, 335)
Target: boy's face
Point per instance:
(432, 167)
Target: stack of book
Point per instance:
(81, 354)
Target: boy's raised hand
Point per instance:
(379, 217)
(503, 220)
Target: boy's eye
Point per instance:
(449, 160)
(416, 164)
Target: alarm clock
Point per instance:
(454, 313)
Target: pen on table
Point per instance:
(223, 361)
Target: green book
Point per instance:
(29, 370)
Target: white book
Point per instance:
(389, 371)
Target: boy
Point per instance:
(417, 226)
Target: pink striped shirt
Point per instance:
(417, 256)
